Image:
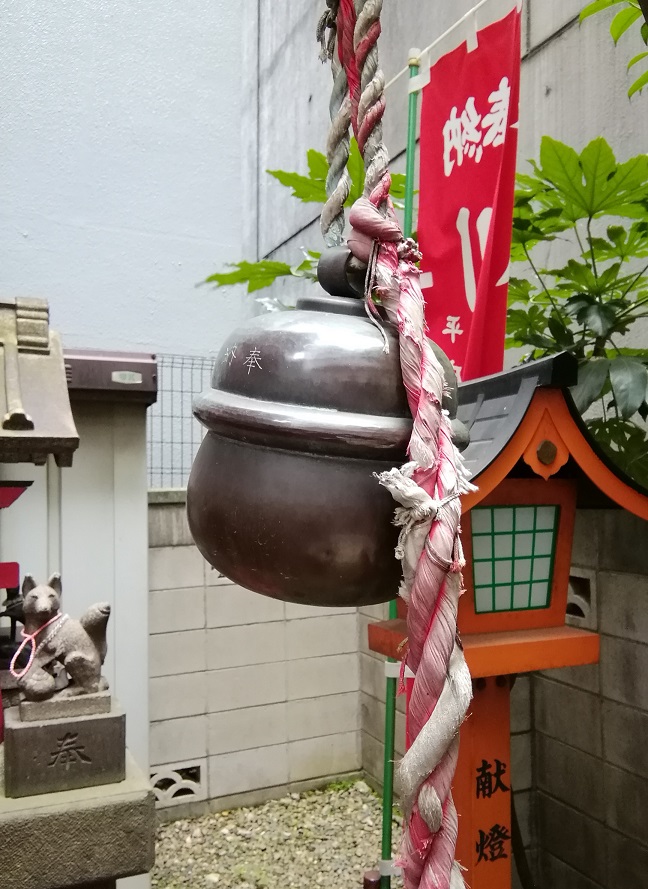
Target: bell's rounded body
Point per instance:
(305, 407)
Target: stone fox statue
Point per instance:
(79, 645)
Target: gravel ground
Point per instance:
(325, 838)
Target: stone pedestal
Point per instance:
(51, 755)
(78, 839)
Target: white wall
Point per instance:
(120, 168)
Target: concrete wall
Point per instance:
(574, 85)
(120, 168)
(591, 724)
(255, 695)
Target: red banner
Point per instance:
(469, 120)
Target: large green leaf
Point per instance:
(629, 379)
(637, 58)
(317, 165)
(598, 318)
(625, 443)
(593, 182)
(304, 188)
(256, 275)
(598, 6)
(623, 20)
(592, 375)
(639, 84)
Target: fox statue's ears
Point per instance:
(55, 583)
(29, 584)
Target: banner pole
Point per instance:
(390, 701)
(412, 109)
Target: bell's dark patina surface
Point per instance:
(305, 406)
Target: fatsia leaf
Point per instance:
(304, 188)
(317, 165)
(629, 379)
(593, 182)
(598, 318)
(520, 291)
(256, 275)
(397, 188)
(623, 20)
(355, 166)
(644, 33)
(592, 375)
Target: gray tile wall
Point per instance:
(256, 693)
(591, 725)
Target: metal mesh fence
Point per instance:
(173, 434)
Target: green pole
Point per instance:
(390, 695)
(412, 109)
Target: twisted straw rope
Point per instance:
(428, 488)
(338, 181)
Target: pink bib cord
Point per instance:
(31, 637)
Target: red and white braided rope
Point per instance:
(428, 488)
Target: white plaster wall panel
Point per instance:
(230, 605)
(29, 511)
(575, 90)
(175, 740)
(171, 697)
(331, 755)
(172, 653)
(329, 715)
(294, 91)
(318, 676)
(246, 686)
(121, 171)
(175, 567)
(248, 770)
(545, 17)
(249, 121)
(173, 611)
(242, 646)
(247, 728)
(318, 636)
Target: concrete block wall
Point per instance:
(248, 696)
(591, 725)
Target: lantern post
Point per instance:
(534, 463)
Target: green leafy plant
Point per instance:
(596, 209)
(309, 189)
(632, 13)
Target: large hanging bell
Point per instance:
(304, 408)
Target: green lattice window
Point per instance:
(513, 556)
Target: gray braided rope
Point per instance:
(372, 84)
(338, 181)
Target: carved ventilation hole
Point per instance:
(581, 599)
(179, 783)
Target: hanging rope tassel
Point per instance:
(427, 489)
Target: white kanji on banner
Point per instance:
(470, 133)
(452, 142)
(497, 118)
(453, 327)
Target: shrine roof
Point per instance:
(512, 413)
(34, 403)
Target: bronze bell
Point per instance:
(304, 407)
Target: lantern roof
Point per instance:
(523, 423)
(35, 414)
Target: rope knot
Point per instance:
(408, 250)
